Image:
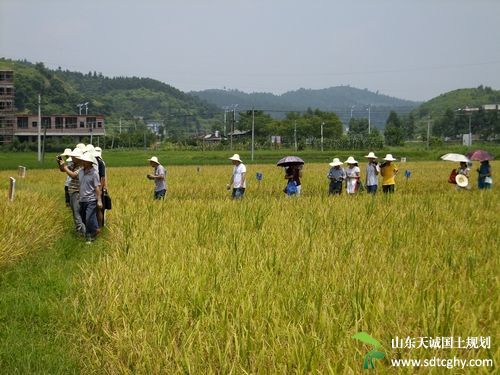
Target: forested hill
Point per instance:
(126, 97)
(461, 98)
(340, 99)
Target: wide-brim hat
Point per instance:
(67, 152)
(89, 148)
(77, 153)
(371, 155)
(236, 157)
(461, 180)
(81, 146)
(97, 153)
(336, 162)
(86, 157)
(350, 160)
(154, 159)
(389, 157)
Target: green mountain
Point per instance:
(118, 97)
(340, 99)
(461, 98)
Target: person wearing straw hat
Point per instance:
(352, 173)
(463, 170)
(388, 170)
(238, 178)
(159, 176)
(90, 194)
(336, 174)
(72, 168)
(66, 153)
(372, 172)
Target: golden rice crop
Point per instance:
(34, 219)
(199, 283)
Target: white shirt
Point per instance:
(238, 171)
(371, 176)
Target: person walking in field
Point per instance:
(352, 175)
(101, 170)
(159, 176)
(372, 172)
(484, 180)
(238, 177)
(336, 175)
(388, 170)
(72, 168)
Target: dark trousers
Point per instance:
(88, 212)
(66, 196)
(388, 188)
(238, 193)
(160, 194)
(335, 187)
(372, 189)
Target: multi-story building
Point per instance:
(25, 127)
(7, 108)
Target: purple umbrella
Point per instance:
(479, 155)
(290, 160)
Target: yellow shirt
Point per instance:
(388, 172)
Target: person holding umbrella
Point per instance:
(238, 178)
(293, 173)
(463, 170)
(388, 170)
(336, 176)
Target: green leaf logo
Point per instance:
(373, 354)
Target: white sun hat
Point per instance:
(89, 148)
(67, 152)
(389, 157)
(236, 157)
(154, 159)
(335, 162)
(86, 157)
(77, 153)
(350, 160)
(371, 155)
(97, 152)
(81, 146)
(461, 180)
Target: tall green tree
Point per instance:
(393, 132)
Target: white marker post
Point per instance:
(12, 189)
(22, 171)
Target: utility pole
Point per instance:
(322, 136)
(232, 128)
(295, 134)
(428, 130)
(120, 125)
(253, 132)
(39, 128)
(470, 129)
(369, 118)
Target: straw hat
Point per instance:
(81, 146)
(461, 180)
(67, 152)
(371, 155)
(154, 159)
(389, 157)
(335, 162)
(350, 160)
(236, 157)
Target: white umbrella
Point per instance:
(455, 158)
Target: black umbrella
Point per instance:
(290, 160)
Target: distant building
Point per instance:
(155, 126)
(7, 108)
(26, 126)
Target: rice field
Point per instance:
(202, 284)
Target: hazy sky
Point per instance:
(413, 49)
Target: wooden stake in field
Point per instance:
(12, 188)
(21, 171)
